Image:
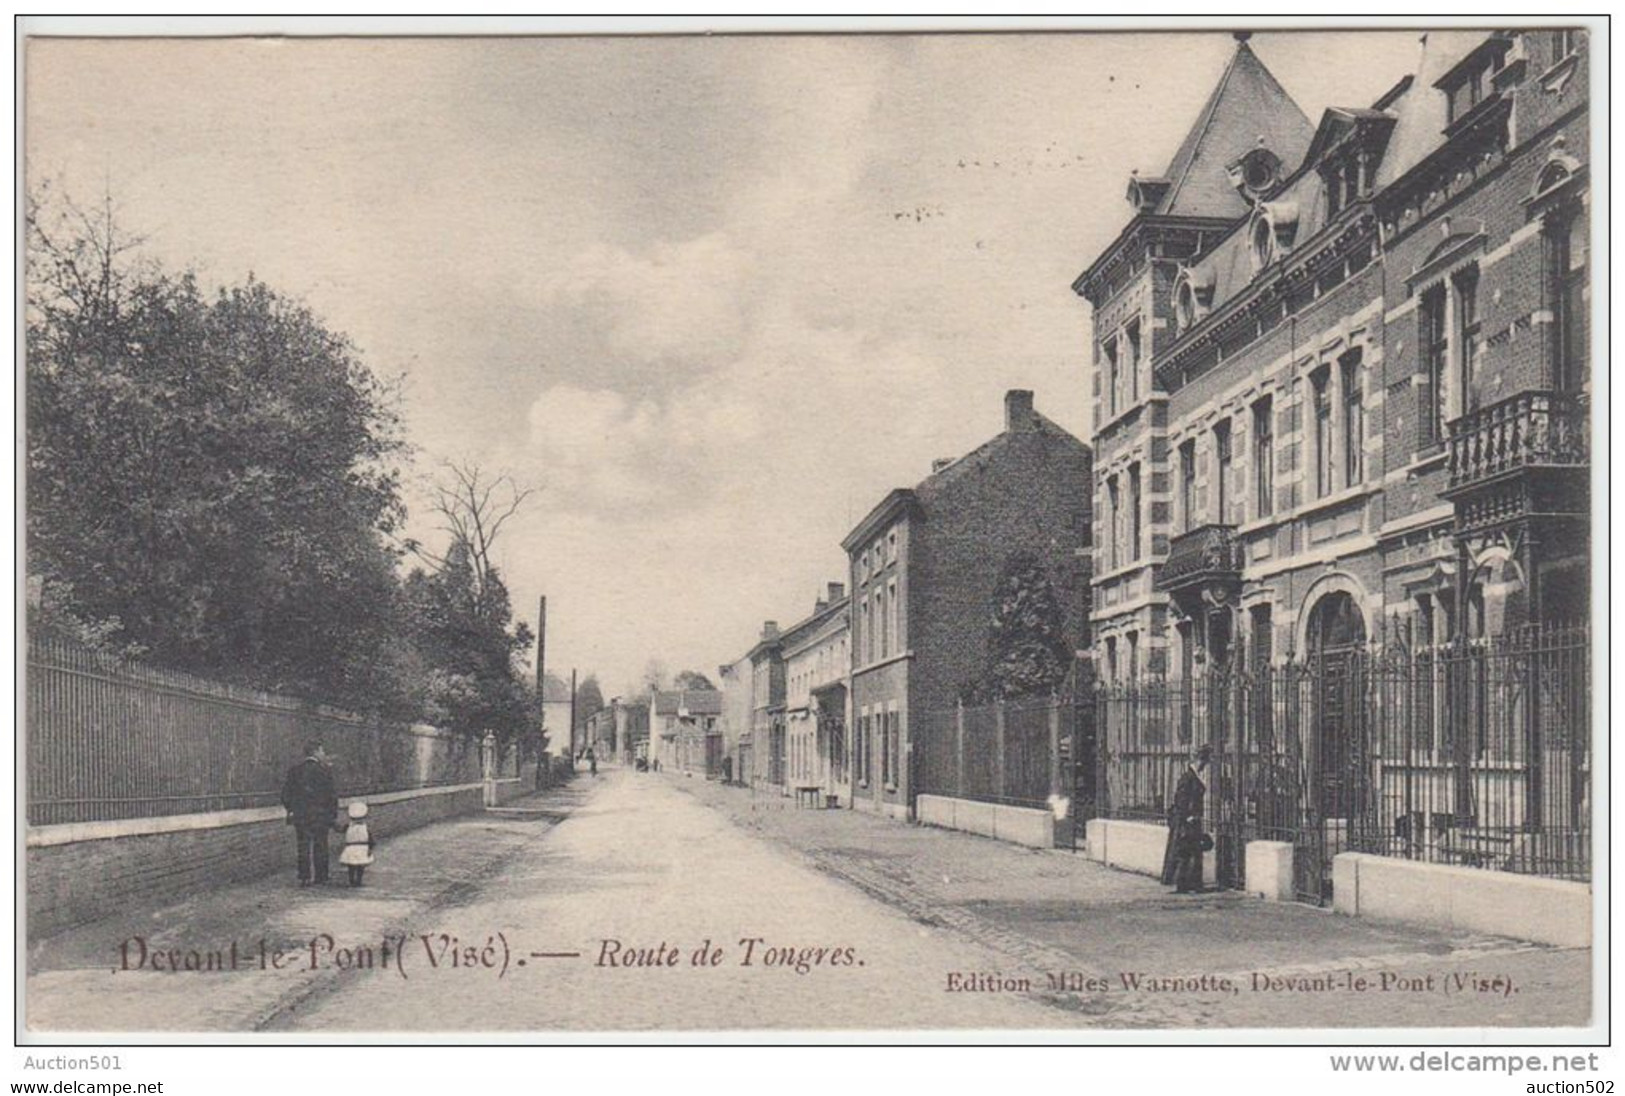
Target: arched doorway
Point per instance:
(1336, 638)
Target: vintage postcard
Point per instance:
(660, 534)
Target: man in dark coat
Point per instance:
(313, 807)
(1182, 859)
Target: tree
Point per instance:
(210, 479)
(473, 505)
(463, 617)
(589, 701)
(1028, 650)
(654, 676)
(693, 679)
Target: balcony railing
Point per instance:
(1530, 429)
(1206, 552)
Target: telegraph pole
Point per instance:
(572, 718)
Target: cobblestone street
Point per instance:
(884, 919)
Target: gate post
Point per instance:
(1055, 787)
(488, 767)
(998, 746)
(959, 748)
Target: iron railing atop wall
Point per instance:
(1474, 753)
(110, 739)
(1005, 752)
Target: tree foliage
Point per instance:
(589, 699)
(693, 679)
(210, 478)
(1028, 650)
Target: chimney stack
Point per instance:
(837, 590)
(770, 629)
(1018, 409)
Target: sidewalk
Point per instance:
(1055, 910)
(76, 981)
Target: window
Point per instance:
(1321, 384)
(1185, 307)
(1334, 192)
(1434, 349)
(1133, 639)
(891, 546)
(865, 641)
(881, 642)
(1115, 503)
(1221, 473)
(892, 637)
(1566, 256)
(1467, 94)
(1131, 334)
(1187, 484)
(1134, 512)
(1111, 660)
(896, 746)
(1467, 331)
(890, 751)
(1263, 243)
(860, 748)
(1264, 456)
(1353, 418)
(1114, 379)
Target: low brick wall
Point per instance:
(79, 872)
(1137, 847)
(1029, 826)
(1547, 911)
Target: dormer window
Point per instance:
(1256, 173)
(1193, 296)
(1469, 83)
(1275, 227)
(1185, 307)
(1261, 243)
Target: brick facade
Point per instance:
(923, 567)
(1308, 315)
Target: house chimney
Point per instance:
(770, 629)
(1018, 409)
(940, 463)
(837, 590)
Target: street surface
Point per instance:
(640, 901)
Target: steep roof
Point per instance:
(1247, 104)
(691, 701)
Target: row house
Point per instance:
(684, 732)
(1340, 378)
(817, 658)
(923, 565)
(736, 720)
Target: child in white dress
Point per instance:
(357, 852)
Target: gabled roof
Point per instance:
(689, 701)
(1248, 107)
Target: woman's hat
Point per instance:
(357, 810)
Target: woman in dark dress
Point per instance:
(1182, 860)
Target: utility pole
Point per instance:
(572, 718)
(541, 645)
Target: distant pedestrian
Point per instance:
(357, 852)
(312, 803)
(1182, 859)
(592, 761)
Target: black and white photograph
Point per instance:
(1078, 532)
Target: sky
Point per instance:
(712, 297)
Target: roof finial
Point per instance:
(1242, 36)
